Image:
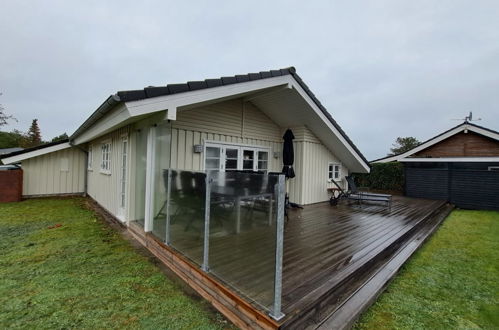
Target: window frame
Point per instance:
(333, 169)
(105, 164)
(256, 149)
(90, 158)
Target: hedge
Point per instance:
(383, 176)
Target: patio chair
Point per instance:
(359, 196)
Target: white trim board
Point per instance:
(451, 159)
(35, 153)
(461, 128)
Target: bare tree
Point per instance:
(4, 118)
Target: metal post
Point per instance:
(280, 189)
(150, 160)
(206, 248)
(168, 196)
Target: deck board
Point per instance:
(321, 244)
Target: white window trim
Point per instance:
(255, 148)
(90, 158)
(106, 171)
(333, 164)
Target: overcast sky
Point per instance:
(383, 68)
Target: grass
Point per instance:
(452, 282)
(84, 274)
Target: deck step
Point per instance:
(348, 312)
(342, 301)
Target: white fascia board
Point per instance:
(483, 132)
(104, 125)
(450, 159)
(172, 102)
(35, 153)
(387, 160)
(323, 117)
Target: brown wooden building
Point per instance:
(460, 165)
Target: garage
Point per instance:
(460, 165)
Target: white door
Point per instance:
(122, 179)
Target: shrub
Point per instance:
(383, 176)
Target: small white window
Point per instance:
(90, 158)
(105, 166)
(334, 172)
(493, 168)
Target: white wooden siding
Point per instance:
(312, 160)
(104, 188)
(58, 172)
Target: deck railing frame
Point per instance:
(280, 191)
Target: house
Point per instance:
(460, 165)
(211, 124)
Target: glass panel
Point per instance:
(231, 153)
(242, 246)
(139, 186)
(262, 165)
(212, 164)
(213, 152)
(248, 159)
(187, 213)
(160, 168)
(263, 155)
(231, 164)
(231, 158)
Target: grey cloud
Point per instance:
(383, 69)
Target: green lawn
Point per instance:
(84, 275)
(452, 282)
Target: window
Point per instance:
(263, 160)
(90, 158)
(334, 172)
(105, 166)
(220, 157)
(212, 158)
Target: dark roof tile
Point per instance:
(229, 80)
(156, 91)
(132, 95)
(275, 73)
(265, 74)
(214, 82)
(195, 85)
(254, 76)
(242, 78)
(178, 88)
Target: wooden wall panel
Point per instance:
(44, 175)
(462, 145)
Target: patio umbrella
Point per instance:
(288, 154)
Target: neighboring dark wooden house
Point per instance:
(460, 165)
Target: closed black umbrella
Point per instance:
(288, 154)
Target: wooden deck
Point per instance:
(329, 252)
